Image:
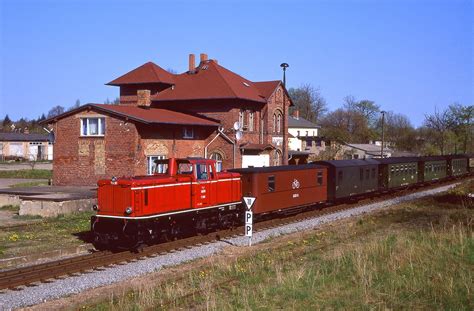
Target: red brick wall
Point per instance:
(84, 160)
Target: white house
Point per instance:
(303, 135)
(25, 146)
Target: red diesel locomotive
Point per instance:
(191, 197)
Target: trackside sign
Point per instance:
(249, 201)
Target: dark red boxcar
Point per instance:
(284, 187)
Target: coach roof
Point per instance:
(348, 163)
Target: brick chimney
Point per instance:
(203, 57)
(192, 62)
(143, 98)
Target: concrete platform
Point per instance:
(49, 201)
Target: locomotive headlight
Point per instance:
(128, 210)
(95, 207)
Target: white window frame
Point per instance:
(241, 119)
(214, 156)
(150, 161)
(279, 123)
(100, 127)
(188, 132)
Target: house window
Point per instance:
(307, 133)
(356, 156)
(251, 121)
(271, 183)
(153, 167)
(92, 126)
(218, 157)
(274, 123)
(241, 118)
(309, 143)
(298, 133)
(276, 157)
(318, 143)
(188, 132)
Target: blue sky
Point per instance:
(407, 56)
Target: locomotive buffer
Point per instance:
(249, 201)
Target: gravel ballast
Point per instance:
(72, 285)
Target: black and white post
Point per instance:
(249, 201)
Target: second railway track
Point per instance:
(47, 272)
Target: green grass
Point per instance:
(30, 174)
(417, 255)
(30, 184)
(12, 208)
(44, 235)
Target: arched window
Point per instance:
(218, 157)
(274, 123)
(279, 123)
(276, 157)
(251, 120)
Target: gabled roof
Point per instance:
(300, 123)
(210, 81)
(23, 137)
(267, 88)
(143, 115)
(146, 73)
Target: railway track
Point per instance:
(47, 272)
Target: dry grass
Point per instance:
(417, 255)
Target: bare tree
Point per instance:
(55, 111)
(309, 102)
(439, 122)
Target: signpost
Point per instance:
(249, 201)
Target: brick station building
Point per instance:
(161, 115)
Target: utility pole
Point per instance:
(383, 120)
(284, 144)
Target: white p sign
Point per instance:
(248, 223)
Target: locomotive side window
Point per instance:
(185, 168)
(320, 178)
(271, 183)
(201, 171)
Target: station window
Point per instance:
(188, 132)
(320, 178)
(92, 126)
(153, 167)
(271, 183)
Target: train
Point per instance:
(189, 196)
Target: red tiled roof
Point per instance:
(267, 88)
(210, 81)
(143, 115)
(146, 73)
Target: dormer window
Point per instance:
(188, 133)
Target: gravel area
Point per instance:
(60, 288)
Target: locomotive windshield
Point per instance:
(160, 167)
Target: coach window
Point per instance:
(320, 178)
(361, 173)
(339, 177)
(271, 183)
(373, 173)
(367, 174)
